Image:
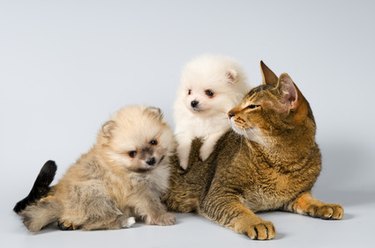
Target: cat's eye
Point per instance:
(209, 93)
(132, 154)
(253, 106)
(189, 91)
(153, 142)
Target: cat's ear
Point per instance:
(107, 129)
(232, 76)
(289, 92)
(269, 77)
(156, 112)
(293, 99)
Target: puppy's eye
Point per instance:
(153, 142)
(253, 106)
(189, 91)
(132, 154)
(209, 93)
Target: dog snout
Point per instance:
(151, 161)
(194, 103)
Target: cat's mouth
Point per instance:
(235, 127)
(237, 124)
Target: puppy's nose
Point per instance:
(231, 114)
(151, 161)
(194, 103)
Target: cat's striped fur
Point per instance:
(270, 162)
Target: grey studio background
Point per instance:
(65, 66)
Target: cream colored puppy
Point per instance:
(210, 86)
(121, 177)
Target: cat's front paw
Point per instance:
(326, 211)
(261, 231)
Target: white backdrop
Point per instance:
(65, 66)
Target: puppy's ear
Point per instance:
(232, 76)
(107, 129)
(269, 77)
(155, 112)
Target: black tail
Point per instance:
(40, 187)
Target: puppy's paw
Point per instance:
(261, 231)
(206, 151)
(127, 222)
(66, 226)
(31, 225)
(184, 163)
(166, 219)
(326, 211)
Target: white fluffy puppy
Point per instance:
(210, 86)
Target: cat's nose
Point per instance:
(151, 161)
(231, 114)
(194, 103)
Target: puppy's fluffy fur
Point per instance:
(121, 177)
(210, 86)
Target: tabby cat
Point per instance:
(270, 161)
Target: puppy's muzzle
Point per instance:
(194, 104)
(151, 161)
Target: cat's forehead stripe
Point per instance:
(259, 89)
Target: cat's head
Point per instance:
(271, 108)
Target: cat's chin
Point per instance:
(237, 129)
(253, 134)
